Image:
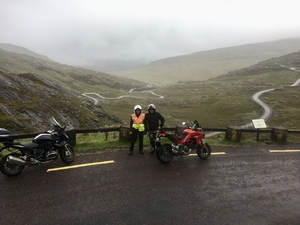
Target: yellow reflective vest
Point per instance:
(138, 122)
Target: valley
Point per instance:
(217, 101)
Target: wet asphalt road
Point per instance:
(246, 185)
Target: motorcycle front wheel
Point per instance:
(164, 153)
(10, 169)
(204, 151)
(67, 154)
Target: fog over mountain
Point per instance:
(127, 34)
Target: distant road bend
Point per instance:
(268, 110)
(120, 97)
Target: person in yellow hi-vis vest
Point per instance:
(137, 128)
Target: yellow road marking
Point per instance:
(276, 151)
(213, 153)
(81, 165)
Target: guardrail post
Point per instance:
(233, 133)
(71, 132)
(124, 133)
(279, 135)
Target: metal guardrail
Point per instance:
(73, 132)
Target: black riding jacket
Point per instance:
(153, 121)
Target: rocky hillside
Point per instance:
(28, 100)
(33, 89)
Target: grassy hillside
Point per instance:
(201, 66)
(226, 99)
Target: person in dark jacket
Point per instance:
(153, 121)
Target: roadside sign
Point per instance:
(259, 123)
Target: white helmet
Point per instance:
(137, 107)
(151, 106)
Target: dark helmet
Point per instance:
(151, 106)
(196, 124)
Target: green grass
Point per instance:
(99, 142)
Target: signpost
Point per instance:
(258, 124)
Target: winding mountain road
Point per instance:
(267, 109)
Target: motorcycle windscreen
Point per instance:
(54, 122)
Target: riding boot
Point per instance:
(141, 152)
(130, 153)
(152, 150)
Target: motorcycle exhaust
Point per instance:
(174, 151)
(14, 160)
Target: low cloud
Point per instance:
(76, 32)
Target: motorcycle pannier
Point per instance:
(4, 134)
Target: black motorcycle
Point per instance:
(44, 148)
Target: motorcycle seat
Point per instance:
(181, 137)
(26, 145)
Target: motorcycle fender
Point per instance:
(203, 144)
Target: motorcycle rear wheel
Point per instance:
(67, 154)
(10, 169)
(204, 151)
(164, 153)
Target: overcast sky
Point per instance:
(75, 31)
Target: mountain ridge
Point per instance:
(211, 63)
(22, 50)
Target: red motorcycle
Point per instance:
(189, 140)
